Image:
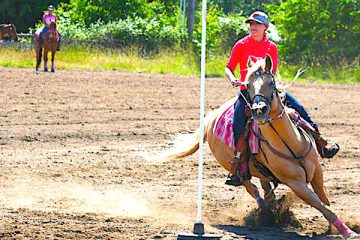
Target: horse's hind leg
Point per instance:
(301, 190)
(38, 58)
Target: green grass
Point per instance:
(169, 61)
(165, 62)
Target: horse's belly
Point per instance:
(285, 170)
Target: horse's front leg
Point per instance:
(52, 61)
(45, 60)
(301, 189)
(269, 194)
(38, 58)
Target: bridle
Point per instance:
(268, 100)
(261, 98)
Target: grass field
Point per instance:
(177, 62)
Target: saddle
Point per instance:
(248, 144)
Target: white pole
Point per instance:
(202, 98)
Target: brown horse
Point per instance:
(9, 31)
(288, 152)
(50, 41)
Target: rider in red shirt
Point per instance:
(254, 46)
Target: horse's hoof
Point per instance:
(352, 235)
(52, 70)
(45, 70)
(261, 203)
(270, 197)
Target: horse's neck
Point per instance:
(282, 130)
(51, 35)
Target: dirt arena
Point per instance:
(74, 147)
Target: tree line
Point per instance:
(310, 31)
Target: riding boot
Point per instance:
(325, 148)
(58, 47)
(235, 179)
(239, 156)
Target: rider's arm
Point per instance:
(232, 63)
(44, 20)
(274, 56)
(230, 75)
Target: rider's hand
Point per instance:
(235, 82)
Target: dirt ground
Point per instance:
(74, 147)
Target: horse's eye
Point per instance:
(257, 73)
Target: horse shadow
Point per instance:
(268, 233)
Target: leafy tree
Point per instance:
(90, 11)
(24, 13)
(318, 31)
(242, 7)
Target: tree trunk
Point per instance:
(190, 18)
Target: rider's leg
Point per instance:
(43, 31)
(325, 148)
(239, 122)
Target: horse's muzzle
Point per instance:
(260, 111)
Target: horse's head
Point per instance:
(51, 35)
(53, 25)
(261, 87)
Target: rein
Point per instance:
(299, 160)
(294, 158)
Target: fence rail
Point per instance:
(25, 35)
(107, 42)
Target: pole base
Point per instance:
(198, 233)
(192, 236)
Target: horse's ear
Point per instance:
(250, 63)
(268, 63)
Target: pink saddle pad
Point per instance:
(224, 131)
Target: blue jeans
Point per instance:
(291, 102)
(43, 31)
(239, 120)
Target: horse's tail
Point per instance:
(318, 184)
(39, 56)
(16, 37)
(189, 144)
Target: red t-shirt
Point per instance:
(248, 47)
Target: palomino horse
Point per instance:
(289, 153)
(9, 31)
(50, 41)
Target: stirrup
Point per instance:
(233, 180)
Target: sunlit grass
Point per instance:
(169, 61)
(129, 60)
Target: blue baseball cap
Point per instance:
(259, 17)
(51, 7)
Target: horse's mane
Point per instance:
(260, 63)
